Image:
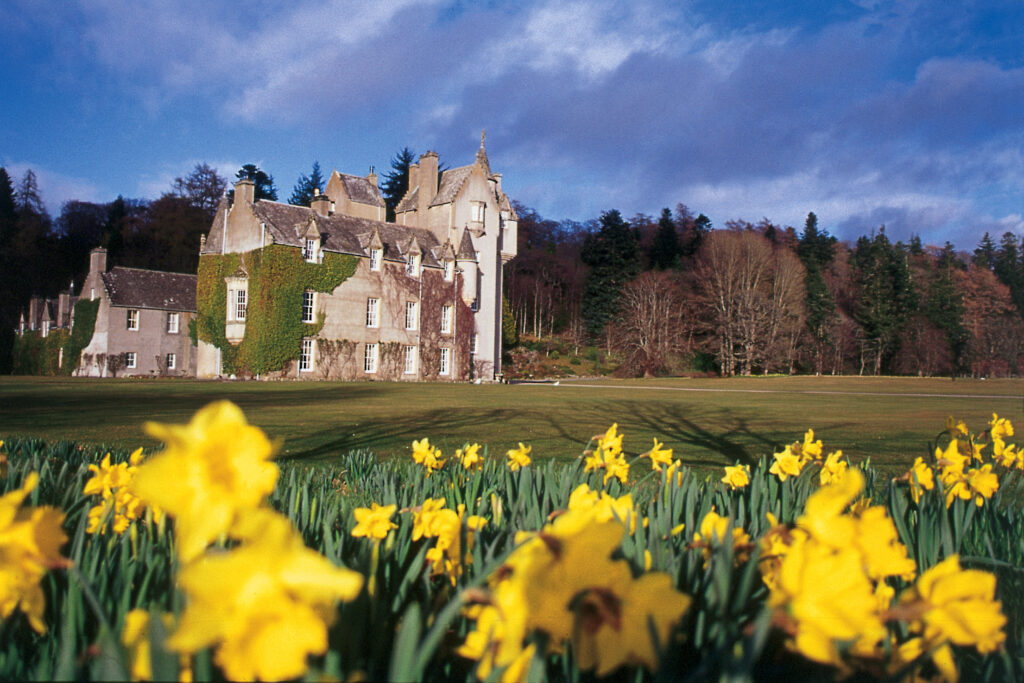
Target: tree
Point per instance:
(985, 254)
(1008, 268)
(264, 183)
(396, 182)
(307, 186)
(816, 249)
(752, 299)
(649, 325)
(203, 188)
(665, 249)
(9, 305)
(611, 253)
(885, 297)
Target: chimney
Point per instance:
(428, 185)
(497, 179)
(321, 203)
(414, 175)
(98, 260)
(245, 191)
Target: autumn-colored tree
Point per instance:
(994, 327)
(649, 325)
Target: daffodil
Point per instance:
(428, 456)
(786, 464)
(736, 476)
(136, 639)
(1000, 427)
(265, 605)
(469, 457)
(660, 457)
(211, 471)
(714, 530)
(921, 479)
(982, 483)
(375, 521)
(833, 468)
(810, 449)
(519, 457)
(958, 605)
(30, 541)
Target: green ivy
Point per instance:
(81, 333)
(278, 275)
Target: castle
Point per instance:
(329, 291)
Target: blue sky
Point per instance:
(908, 114)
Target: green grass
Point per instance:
(706, 421)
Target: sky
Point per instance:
(907, 114)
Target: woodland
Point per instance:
(664, 295)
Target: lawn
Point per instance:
(706, 421)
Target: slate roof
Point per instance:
(344, 234)
(452, 181)
(137, 288)
(409, 201)
(361, 190)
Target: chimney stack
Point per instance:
(428, 185)
(245, 191)
(98, 260)
(321, 203)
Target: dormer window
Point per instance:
(449, 271)
(375, 257)
(477, 215)
(412, 265)
(309, 249)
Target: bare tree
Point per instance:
(649, 328)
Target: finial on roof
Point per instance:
(316, 191)
(483, 134)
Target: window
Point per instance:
(370, 358)
(411, 309)
(129, 360)
(173, 321)
(446, 319)
(308, 301)
(412, 265)
(478, 212)
(46, 327)
(133, 319)
(474, 346)
(410, 360)
(306, 356)
(375, 255)
(309, 250)
(372, 306)
(172, 361)
(449, 270)
(446, 361)
(240, 308)
(92, 294)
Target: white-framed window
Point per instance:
(449, 271)
(410, 360)
(412, 265)
(370, 358)
(133, 319)
(477, 215)
(172, 361)
(306, 356)
(309, 250)
(92, 294)
(308, 307)
(46, 327)
(411, 315)
(372, 312)
(446, 319)
(237, 304)
(375, 257)
(173, 323)
(474, 346)
(445, 367)
(129, 360)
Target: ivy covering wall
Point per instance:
(35, 354)
(278, 275)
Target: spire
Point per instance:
(481, 154)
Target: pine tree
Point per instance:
(396, 183)
(944, 305)
(886, 295)
(815, 252)
(264, 183)
(664, 251)
(306, 187)
(611, 253)
(985, 254)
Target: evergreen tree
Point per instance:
(509, 333)
(885, 296)
(664, 251)
(9, 305)
(307, 186)
(396, 182)
(611, 253)
(985, 254)
(944, 305)
(815, 252)
(113, 230)
(264, 183)
(699, 229)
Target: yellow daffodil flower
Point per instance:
(833, 468)
(660, 457)
(469, 457)
(736, 476)
(30, 542)
(786, 464)
(375, 521)
(211, 470)
(1000, 427)
(519, 457)
(921, 479)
